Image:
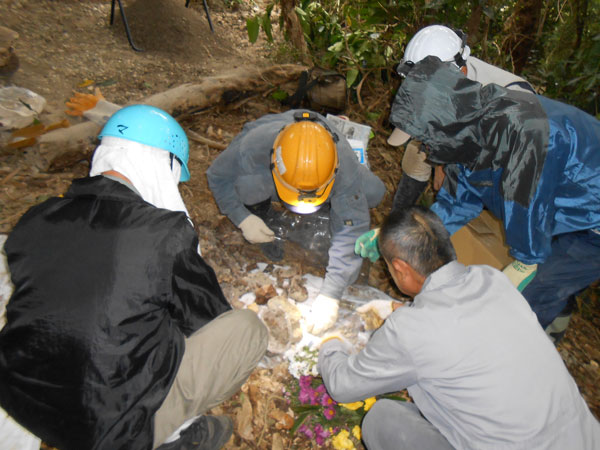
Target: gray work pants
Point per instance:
(218, 359)
(395, 425)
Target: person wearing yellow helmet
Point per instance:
(299, 159)
(304, 164)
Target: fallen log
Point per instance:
(193, 136)
(210, 91)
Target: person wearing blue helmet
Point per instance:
(118, 335)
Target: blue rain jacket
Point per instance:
(533, 162)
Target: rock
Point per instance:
(296, 290)
(264, 293)
(282, 319)
(9, 62)
(19, 107)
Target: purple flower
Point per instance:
(305, 381)
(308, 395)
(314, 397)
(326, 400)
(306, 430)
(321, 434)
(329, 413)
(321, 389)
(304, 396)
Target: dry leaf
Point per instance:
(243, 419)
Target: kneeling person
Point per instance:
(117, 330)
(297, 157)
(473, 384)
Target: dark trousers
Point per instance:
(573, 265)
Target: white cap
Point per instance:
(398, 137)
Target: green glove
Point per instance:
(366, 245)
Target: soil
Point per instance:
(63, 44)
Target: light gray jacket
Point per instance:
(481, 384)
(484, 73)
(241, 175)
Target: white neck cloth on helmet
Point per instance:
(148, 168)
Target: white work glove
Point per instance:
(383, 308)
(255, 230)
(520, 274)
(323, 314)
(335, 335)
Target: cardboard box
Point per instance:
(481, 241)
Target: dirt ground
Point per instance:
(62, 44)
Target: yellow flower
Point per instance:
(353, 406)
(342, 441)
(369, 402)
(356, 432)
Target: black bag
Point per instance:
(320, 90)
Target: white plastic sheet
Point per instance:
(19, 106)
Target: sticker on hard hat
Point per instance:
(279, 161)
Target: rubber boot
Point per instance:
(408, 192)
(558, 327)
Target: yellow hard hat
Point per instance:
(304, 163)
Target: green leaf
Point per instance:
(394, 397)
(337, 47)
(106, 83)
(591, 83)
(269, 9)
(279, 95)
(351, 76)
(266, 25)
(373, 115)
(252, 26)
(299, 421)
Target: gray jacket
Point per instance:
(241, 175)
(480, 384)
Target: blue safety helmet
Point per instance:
(150, 126)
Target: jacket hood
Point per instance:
(480, 127)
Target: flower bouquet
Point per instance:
(317, 415)
(321, 418)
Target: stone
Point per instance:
(9, 62)
(296, 290)
(282, 319)
(265, 293)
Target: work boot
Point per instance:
(206, 433)
(408, 192)
(558, 327)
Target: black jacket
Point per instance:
(106, 288)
